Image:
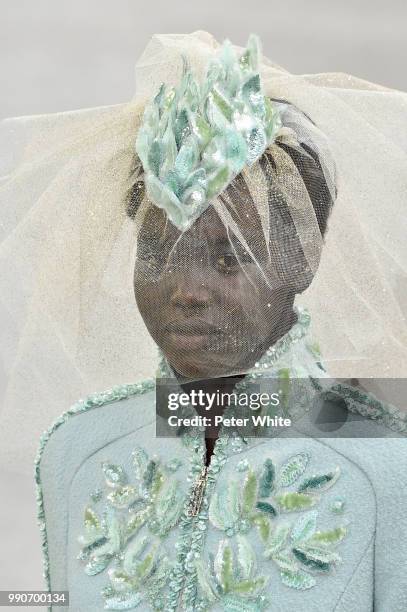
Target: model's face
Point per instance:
(207, 304)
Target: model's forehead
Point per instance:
(210, 225)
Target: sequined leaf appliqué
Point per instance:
(265, 501)
(231, 578)
(126, 526)
(138, 567)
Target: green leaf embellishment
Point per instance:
(135, 523)
(225, 508)
(223, 565)
(256, 143)
(145, 567)
(297, 580)
(114, 474)
(216, 181)
(91, 520)
(295, 502)
(203, 130)
(90, 548)
(205, 583)
(266, 481)
(167, 509)
(314, 558)
(94, 541)
(181, 127)
(140, 461)
(149, 474)
(233, 603)
(136, 562)
(140, 572)
(120, 581)
(131, 557)
(97, 564)
(226, 581)
(263, 524)
(221, 104)
(277, 540)
(267, 508)
(173, 465)
(246, 557)
(328, 538)
(187, 158)
(122, 496)
(114, 534)
(293, 469)
(155, 157)
(139, 578)
(248, 587)
(249, 493)
(216, 515)
(251, 92)
(232, 502)
(305, 527)
(320, 482)
(285, 562)
(338, 505)
(217, 126)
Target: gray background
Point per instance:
(71, 54)
(75, 53)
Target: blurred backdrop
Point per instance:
(72, 54)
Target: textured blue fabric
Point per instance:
(339, 500)
(372, 573)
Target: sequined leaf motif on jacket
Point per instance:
(230, 579)
(297, 548)
(265, 501)
(138, 567)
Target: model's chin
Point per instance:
(201, 364)
(188, 343)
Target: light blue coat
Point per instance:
(296, 522)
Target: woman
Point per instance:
(231, 210)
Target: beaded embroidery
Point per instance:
(232, 579)
(296, 547)
(138, 565)
(141, 566)
(117, 393)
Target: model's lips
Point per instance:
(192, 335)
(193, 328)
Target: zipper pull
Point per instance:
(197, 493)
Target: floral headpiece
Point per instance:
(195, 139)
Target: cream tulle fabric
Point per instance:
(67, 247)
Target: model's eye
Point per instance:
(227, 263)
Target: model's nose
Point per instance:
(190, 291)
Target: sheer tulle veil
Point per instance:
(68, 247)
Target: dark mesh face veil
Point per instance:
(216, 296)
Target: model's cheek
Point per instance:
(151, 300)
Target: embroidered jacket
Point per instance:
(293, 522)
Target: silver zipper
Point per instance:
(197, 493)
(194, 507)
